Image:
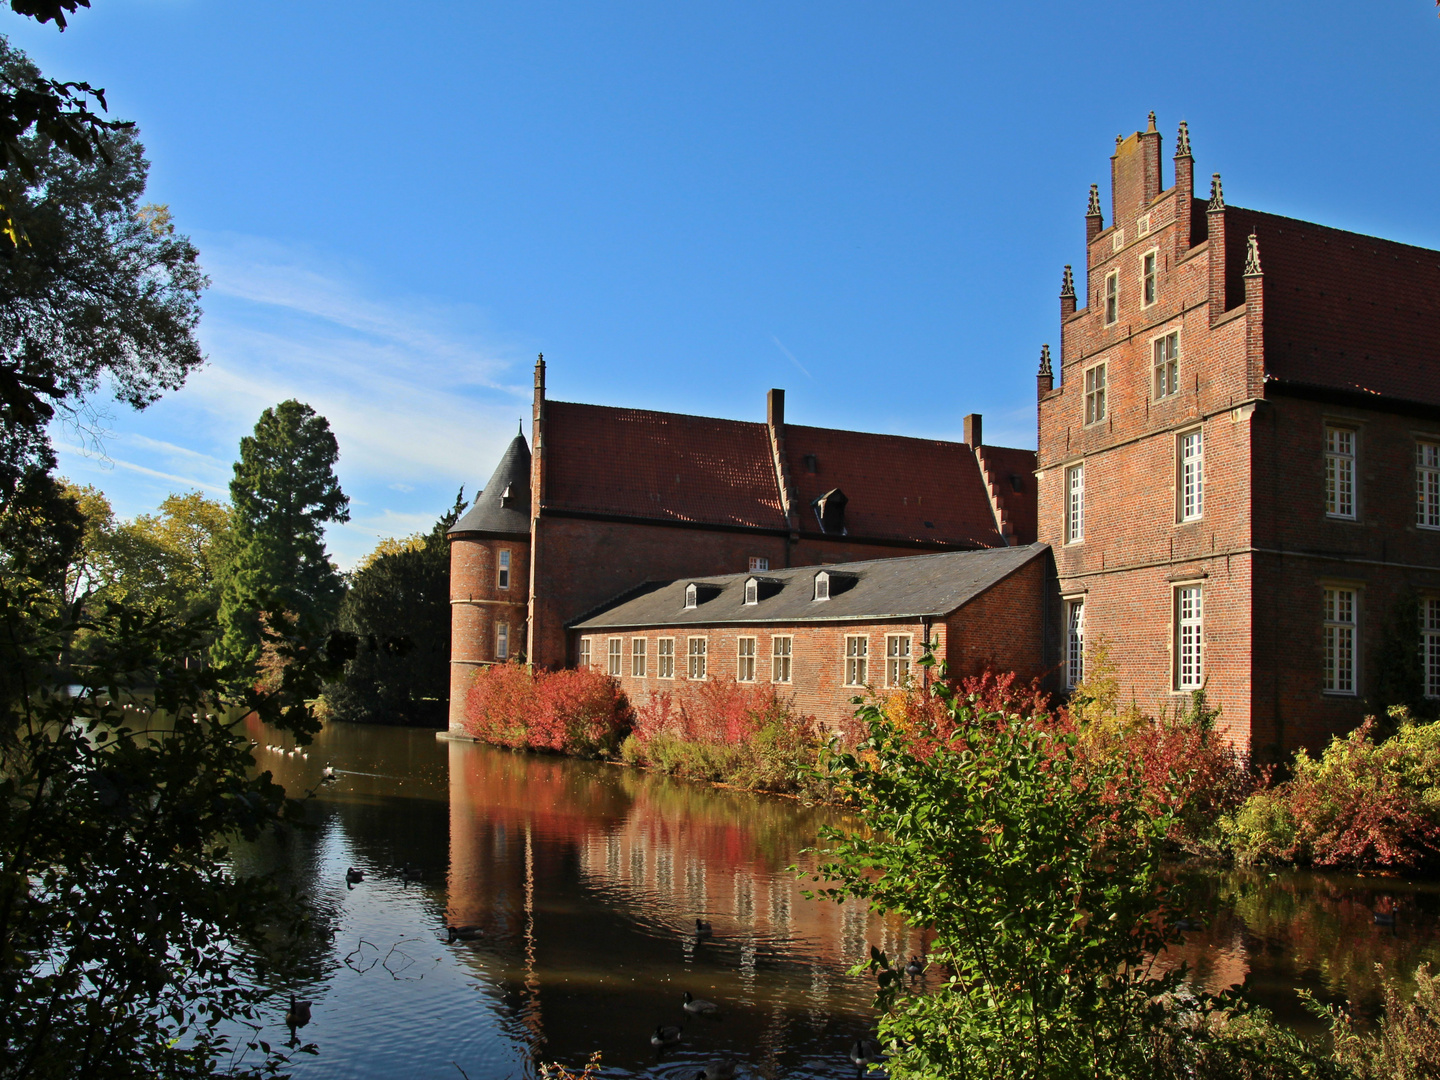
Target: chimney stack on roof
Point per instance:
(775, 408)
(972, 430)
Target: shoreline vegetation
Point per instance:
(1370, 803)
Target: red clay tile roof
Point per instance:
(1342, 309)
(899, 488)
(636, 463)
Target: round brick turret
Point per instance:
(490, 576)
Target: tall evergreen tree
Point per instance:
(283, 493)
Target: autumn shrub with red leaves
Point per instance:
(726, 731)
(1363, 805)
(583, 713)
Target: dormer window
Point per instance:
(822, 586)
(752, 591)
(830, 512)
(692, 596)
(506, 497)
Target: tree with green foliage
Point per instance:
(1043, 885)
(283, 494)
(398, 608)
(101, 290)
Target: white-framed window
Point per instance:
(1075, 503)
(745, 659)
(1339, 472)
(897, 659)
(822, 586)
(1427, 485)
(857, 660)
(1117, 240)
(752, 591)
(1189, 633)
(1340, 621)
(1167, 365)
(1190, 464)
(1095, 394)
(665, 658)
(1142, 225)
(1430, 645)
(613, 669)
(502, 573)
(584, 654)
(1074, 641)
(759, 562)
(1112, 297)
(1149, 277)
(502, 641)
(699, 654)
(781, 649)
(639, 657)
(692, 596)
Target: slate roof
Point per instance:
(1342, 309)
(913, 586)
(491, 516)
(636, 463)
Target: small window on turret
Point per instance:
(503, 574)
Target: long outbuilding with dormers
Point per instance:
(821, 635)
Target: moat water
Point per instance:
(585, 880)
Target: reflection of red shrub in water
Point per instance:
(572, 712)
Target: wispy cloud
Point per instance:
(110, 461)
(791, 355)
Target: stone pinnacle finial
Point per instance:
(1252, 257)
(1094, 210)
(1067, 285)
(1118, 140)
(1182, 141)
(1217, 194)
(1045, 360)
(520, 427)
(1152, 121)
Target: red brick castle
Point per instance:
(1238, 480)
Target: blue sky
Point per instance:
(683, 205)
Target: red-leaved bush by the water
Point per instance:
(570, 712)
(1363, 804)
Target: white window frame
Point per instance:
(1427, 484)
(639, 657)
(584, 654)
(502, 641)
(759, 563)
(1165, 365)
(1341, 613)
(692, 595)
(1430, 645)
(665, 658)
(744, 659)
(1190, 475)
(615, 657)
(1189, 644)
(782, 655)
(502, 570)
(697, 657)
(898, 648)
(1075, 503)
(1341, 487)
(1150, 278)
(1096, 381)
(752, 592)
(857, 659)
(822, 586)
(1074, 641)
(1111, 298)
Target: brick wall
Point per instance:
(478, 604)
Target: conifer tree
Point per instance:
(283, 493)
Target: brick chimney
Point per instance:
(972, 430)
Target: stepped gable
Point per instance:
(914, 586)
(635, 463)
(1343, 310)
(503, 508)
(898, 488)
(1013, 471)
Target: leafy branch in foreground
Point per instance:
(1041, 879)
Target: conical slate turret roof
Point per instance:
(503, 508)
